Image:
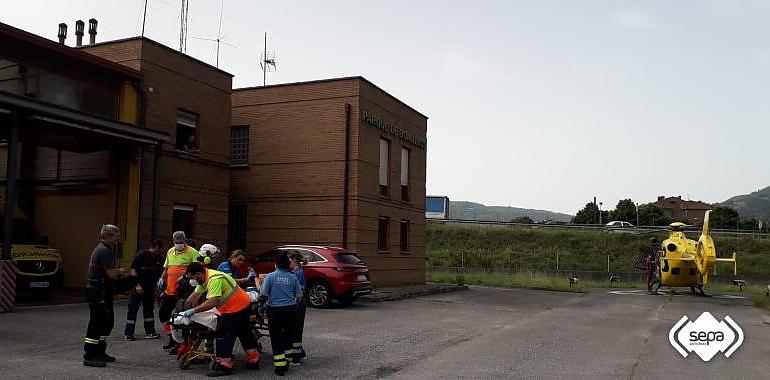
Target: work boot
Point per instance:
(221, 367)
(280, 371)
(152, 335)
(103, 355)
(219, 371)
(94, 362)
(171, 344)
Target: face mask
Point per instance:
(193, 282)
(179, 246)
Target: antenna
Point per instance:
(183, 26)
(219, 40)
(266, 62)
(144, 17)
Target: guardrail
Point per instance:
(599, 227)
(597, 276)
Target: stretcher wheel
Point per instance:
(183, 362)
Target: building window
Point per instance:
(186, 131)
(404, 235)
(239, 145)
(236, 226)
(184, 220)
(405, 174)
(384, 167)
(382, 233)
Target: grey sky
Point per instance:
(537, 104)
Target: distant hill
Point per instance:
(478, 211)
(754, 205)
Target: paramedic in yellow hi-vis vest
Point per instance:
(233, 303)
(177, 259)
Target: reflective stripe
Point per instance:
(297, 344)
(149, 319)
(130, 322)
(91, 341)
(280, 363)
(103, 337)
(293, 351)
(279, 357)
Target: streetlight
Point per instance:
(600, 213)
(637, 214)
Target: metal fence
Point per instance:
(598, 227)
(597, 276)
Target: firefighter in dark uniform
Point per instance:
(147, 266)
(100, 286)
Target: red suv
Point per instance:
(330, 272)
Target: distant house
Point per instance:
(676, 207)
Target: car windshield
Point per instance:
(348, 258)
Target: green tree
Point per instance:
(625, 211)
(522, 219)
(652, 215)
(588, 215)
(723, 217)
(749, 224)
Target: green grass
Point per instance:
(530, 249)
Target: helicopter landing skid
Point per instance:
(700, 292)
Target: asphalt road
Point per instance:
(476, 333)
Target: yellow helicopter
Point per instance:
(683, 262)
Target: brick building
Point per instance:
(151, 142)
(333, 162)
(73, 134)
(676, 207)
(190, 101)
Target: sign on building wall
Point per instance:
(436, 207)
(372, 120)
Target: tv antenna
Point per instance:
(267, 62)
(183, 16)
(219, 40)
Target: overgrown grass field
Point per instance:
(529, 249)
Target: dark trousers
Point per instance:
(147, 301)
(301, 309)
(100, 322)
(166, 308)
(282, 321)
(231, 326)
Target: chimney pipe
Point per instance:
(92, 30)
(62, 33)
(79, 28)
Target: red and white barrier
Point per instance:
(7, 285)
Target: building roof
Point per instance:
(686, 204)
(162, 46)
(332, 80)
(9, 33)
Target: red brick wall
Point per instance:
(173, 81)
(294, 182)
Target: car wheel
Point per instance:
(347, 300)
(319, 294)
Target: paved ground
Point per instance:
(475, 333)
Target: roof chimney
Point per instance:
(62, 33)
(79, 28)
(661, 198)
(92, 30)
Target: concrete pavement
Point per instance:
(475, 333)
